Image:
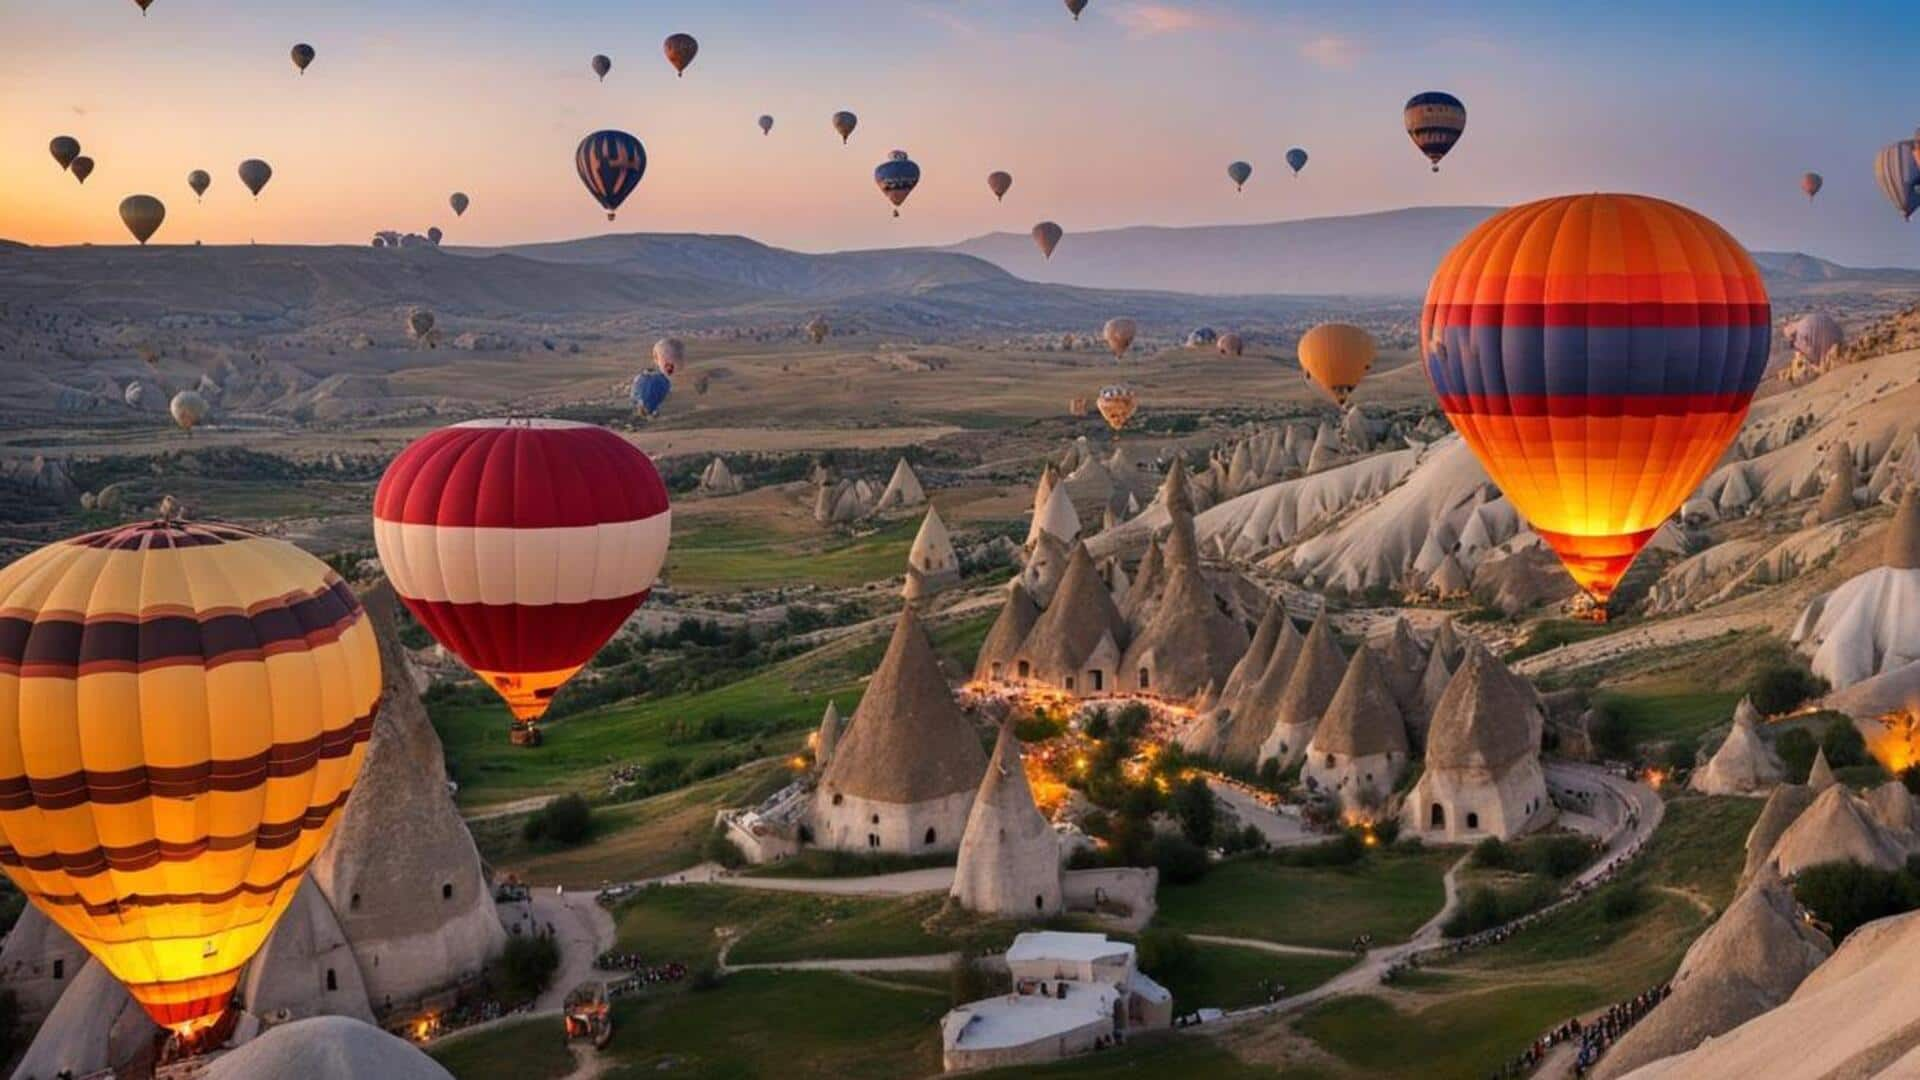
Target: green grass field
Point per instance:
(1658, 709)
(730, 556)
(528, 1050)
(1158, 1057)
(1387, 894)
(686, 923)
(1229, 977)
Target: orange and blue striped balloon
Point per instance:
(1598, 352)
(611, 164)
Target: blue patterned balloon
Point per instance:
(1296, 160)
(897, 177)
(650, 391)
(611, 164)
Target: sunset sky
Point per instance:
(1128, 117)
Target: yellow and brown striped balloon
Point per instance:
(183, 711)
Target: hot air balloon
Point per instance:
(1231, 344)
(1117, 405)
(1239, 172)
(999, 183)
(64, 149)
(611, 164)
(1814, 337)
(199, 181)
(1047, 236)
(1435, 121)
(650, 390)
(142, 215)
(602, 65)
(844, 122)
(188, 409)
(1598, 353)
(522, 546)
(680, 50)
(302, 56)
(817, 329)
(1202, 337)
(1899, 176)
(1336, 356)
(897, 177)
(668, 354)
(187, 709)
(255, 173)
(459, 201)
(1119, 334)
(1811, 184)
(1076, 7)
(135, 394)
(420, 324)
(766, 124)
(435, 235)
(1296, 160)
(81, 168)
(143, 5)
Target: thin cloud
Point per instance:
(1155, 19)
(1330, 51)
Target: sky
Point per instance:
(1128, 117)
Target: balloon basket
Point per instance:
(526, 735)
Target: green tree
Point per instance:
(1193, 804)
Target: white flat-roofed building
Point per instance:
(1071, 993)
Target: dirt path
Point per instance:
(1270, 946)
(905, 883)
(1661, 635)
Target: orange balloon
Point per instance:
(1598, 353)
(1336, 357)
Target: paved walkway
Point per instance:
(904, 883)
(1280, 830)
(1270, 946)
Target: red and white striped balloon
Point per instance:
(522, 545)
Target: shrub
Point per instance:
(1180, 860)
(1193, 805)
(1097, 724)
(1623, 901)
(1608, 732)
(527, 966)
(1845, 895)
(1843, 743)
(1268, 775)
(1165, 954)
(969, 980)
(1132, 720)
(705, 977)
(1492, 854)
(1782, 685)
(564, 821)
(1910, 776)
(1343, 850)
(1559, 856)
(1484, 908)
(720, 848)
(1681, 753)
(1796, 747)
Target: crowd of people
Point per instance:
(465, 1013)
(639, 968)
(1594, 1037)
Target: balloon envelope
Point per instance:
(1296, 160)
(419, 323)
(999, 183)
(189, 706)
(843, 123)
(1119, 334)
(1898, 172)
(1810, 183)
(1047, 236)
(611, 164)
(1076, 7)
(897, 177)
(1117, 405)
(602, 65)
(188, 409)
(1231, 344)
(64, 149)
(766, 125)
(668, 354)
(1435, 121)
(302, 56)
(142, 215)
(680, 50)
(1598, 353)
(81, 168)
(1336, 357)
(199, 180)
(817, 329)
(1814, 337)
(650, 390)
(255, 173)
(1239, 172)
(459, 201)
(522, 546)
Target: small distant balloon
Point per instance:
(1117, 405)
(1076, 7)
(1898, 170)
(1296, 160)
(136, 394)
(459, 201)
(611, 164)
(143, 5)
(896, 178)
(650, 391)
(680, 50)
(1202, 336)
(668, 354)
(1231, 344)
(434, 235)
(420, 323)
(602, 65)
(1335, 357)
(999, 183)
(1239, 172)
(1435, 121)
(64, 149)
(817, 329)
(188, 409)
(302, 56)
(1810, 183)
(843, 124)
(766, 124)
(255, 173)
(1119, 334)
(142, 215)
(1047, 235)
(199, 180)
(81, 168)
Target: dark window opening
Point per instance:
(1473, 821)
(446, 891)
(333, 982)
(1145, 678)
(930, 836)
(59, 969)
(1438, 818)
